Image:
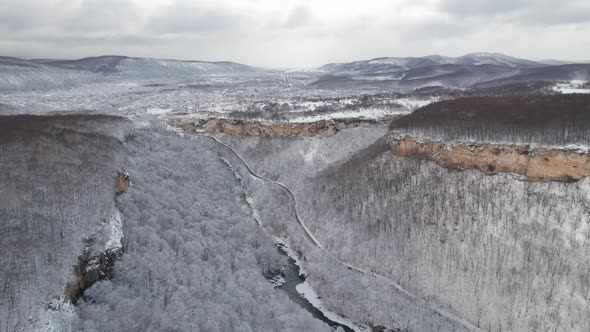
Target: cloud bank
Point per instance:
(291, 33)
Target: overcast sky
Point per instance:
(294, 33)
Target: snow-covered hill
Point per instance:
(476, 69)
(44, 74)
(24, 75)
(150, 68)
(393, 63)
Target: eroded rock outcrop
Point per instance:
(97, 261)
(90, 269)
(536, 164)
(267, 129)
(257, 128)
(122, 181)
(101, 250)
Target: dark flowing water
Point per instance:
(292, 279)
(291, 270)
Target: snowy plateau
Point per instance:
(392, 194)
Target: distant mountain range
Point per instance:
(471, 70)
(432, 60)
(476, 70)
(148, 67)
(113, 64)
(20, 74)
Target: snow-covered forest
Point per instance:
(553, 120)
(191, 259)
(504, 254)
(56, 190)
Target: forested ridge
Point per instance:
(527, 119)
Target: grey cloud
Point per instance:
(482, 7)
(525, 12)
(263, 33)
(437, 29)
(24, 15)
(100, 16)
(572, 13)
(112, 26)
(185, 17)
(66, 18)
(78, 40)
(298, 16)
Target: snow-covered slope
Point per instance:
(44, 74)
(56, 199)
(149, 68)
(503, 254)
(131, 67)
(24, 75)
(192, 261)
(394, 63)
(476, 69)
(495, 59)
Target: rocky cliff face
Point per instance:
(263, 129)
(101, 250)
(536, 164)
(122, 181)
(91, 267)
(257, 128)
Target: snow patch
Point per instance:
(56, 318)
(114, 232)
(389, 61)
(413, 103)
(158, 111)
(277, 281)
(311, 296)
(365, 114)
(571, 87)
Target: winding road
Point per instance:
(315, 241)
